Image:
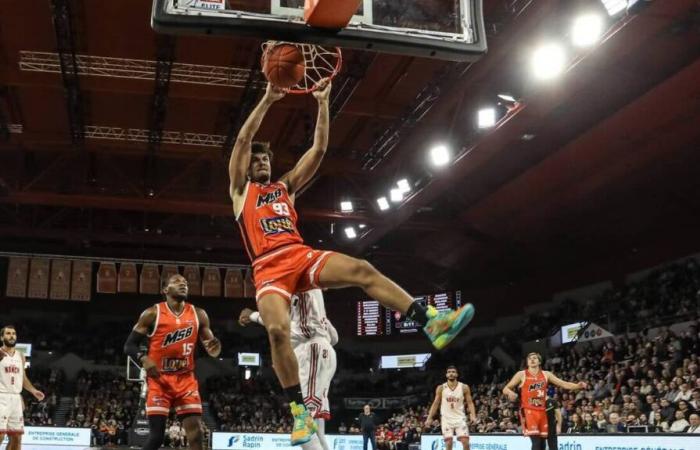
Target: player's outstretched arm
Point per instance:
(240, 156)
(433, 408)
(138, 336)
(211, 344)
(308, 164)
(509, 391)
(26, 384)
(564, 384)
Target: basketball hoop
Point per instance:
(320, 63)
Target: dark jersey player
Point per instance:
(283, 264)
(173, 328)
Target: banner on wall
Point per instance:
(38, 278)
(81, 281)
(107, 278)
(150, 279)
(55, 436)
(194, 280)
(128, 278)
(248, 285)
(60, 279)
(233, 283)
(211, 284)
(168, 271)
(17, 273)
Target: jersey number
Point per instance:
(325, 353)
(187, 348)
(281, 209)
(12, 380)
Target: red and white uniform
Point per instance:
(533, 398)
(313, 337)
(281, 262)
(453, 418)
(172, 344)
(11, 381)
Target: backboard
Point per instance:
(443, 29)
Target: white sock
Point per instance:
(321, 433)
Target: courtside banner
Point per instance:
(575, 442)
(55, 436)
(247, 441)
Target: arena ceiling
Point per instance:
(127, 158)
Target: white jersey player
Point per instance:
(12, 380)
(313, 337)
(452, 397)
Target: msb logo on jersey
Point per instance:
(275, 225)
(177, 335)
(536, 386)
(268, 198)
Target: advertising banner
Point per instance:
(246, 441)
(55, 436)
(574, 442)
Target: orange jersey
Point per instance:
(268, 219)
(533, 393)
(174, 338)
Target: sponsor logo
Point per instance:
(174, 364)
(11, 369)
(571, 446)
(276, 225)
(233, 440)
(177, 336)
(268, 198)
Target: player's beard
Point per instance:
(8, 343)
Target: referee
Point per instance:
(554, 421)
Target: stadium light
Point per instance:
(346, 206)
(587, 30)
(404, 185)
(350, 232)
(507, 98)
(548, 61)
(486, 118)
(440, 155)
(248, 373)
(383, 203)
(615, 6)
(396, 195)
(362, 226)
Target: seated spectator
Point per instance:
(694, 426)
(589, 425)
(615, 425)
(679, 425)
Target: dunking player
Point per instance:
(173, 326)
(452, 396)
(312, 337)
(282, 264)
(533, 383)
(13, 379)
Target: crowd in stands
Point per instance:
(106, 403)
(50, 382)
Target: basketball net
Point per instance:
(319, 62)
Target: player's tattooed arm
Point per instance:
(508, 390)
(308, 164)
(211, 344)
(240, 156)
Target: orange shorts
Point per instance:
(293, 268)
(534, 422)
(179, 391)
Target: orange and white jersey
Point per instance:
(174, 338)
(11, 373)
(267, 219)
(308, 319)
(533, 393)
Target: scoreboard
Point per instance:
(375, 320)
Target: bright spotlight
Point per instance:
(440, 155)
(383, 203)
(350, 232)
(346, 206)
(362, 226)
(615, 6)
(548, 61)
(403, 185)
(487, 118)
(247, 375)
(507, 98)
(396, 195)
(587, 30)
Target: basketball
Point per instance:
(284, 65)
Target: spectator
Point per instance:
(684, 394)
(694, 426)
(680, 424)
(615, 425)
(342, 429)
(589, 425)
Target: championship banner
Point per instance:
(128, 278)
(150, 279)
(60, 279)
(233, 283)
(211, 285)
(17, 273)
(38, 278)
(107, 278)
(167, 272)
(81, 282)
(248, 286)
(194, 280)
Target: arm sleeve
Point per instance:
(133, 344)
(255, 317)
